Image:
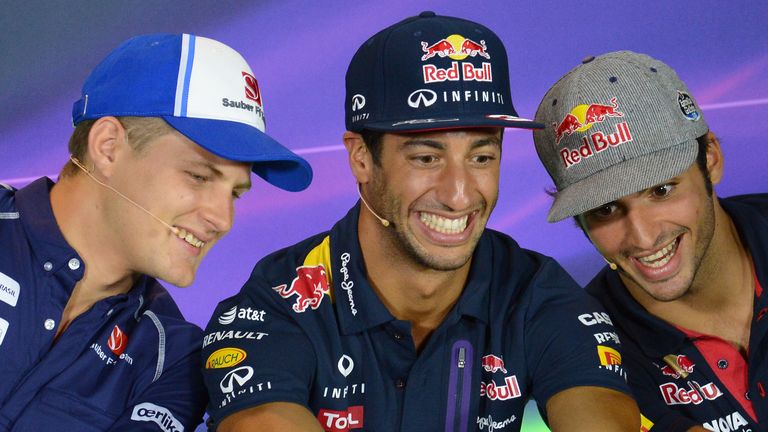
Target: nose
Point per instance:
(218, 210)
(642, 227)
(455, 185)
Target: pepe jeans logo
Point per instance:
(347, 284)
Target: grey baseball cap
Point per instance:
(615, 125)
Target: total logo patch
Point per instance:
(341, 421)
(9, 289)
(225, 357)
(149, 412)
(645, 424)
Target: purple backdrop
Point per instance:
(299, 52)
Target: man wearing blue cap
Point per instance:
(686, 271)
(168, 129)
(410, 315)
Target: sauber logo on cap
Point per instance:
(252, 91)
(117, 341)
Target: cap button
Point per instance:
(426, 14)
(587, 59)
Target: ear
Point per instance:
(360, 159)
(105, 141)
(714, 158)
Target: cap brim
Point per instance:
(622, 179)
(455, 122)
(240, 142)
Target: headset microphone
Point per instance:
(381, 219)
(89, 174)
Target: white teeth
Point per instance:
(189, 238)
(444, 225)
(660, 258)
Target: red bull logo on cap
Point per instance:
(456, 47)
(492, 363)
(583, 116)
(310, 287)
(677, 366)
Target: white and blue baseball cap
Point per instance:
(203, 89)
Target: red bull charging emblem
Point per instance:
(492, 363)
(580, 119)
(677, 366)
(456, 47)
(310, 287)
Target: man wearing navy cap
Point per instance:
(167, 131)
(410, 315)
(634, 163)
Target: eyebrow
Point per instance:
(414, 142)
(218, 174)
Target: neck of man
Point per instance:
(720, 299)
(75, 203)
(409, 290)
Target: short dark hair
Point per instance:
(372, 140)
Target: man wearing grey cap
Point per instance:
(634, 163)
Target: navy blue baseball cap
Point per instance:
(430, 72)
(203, 89)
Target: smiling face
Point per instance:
(438, 189)
(659, 237)
(184, 185)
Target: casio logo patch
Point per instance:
(9, 290)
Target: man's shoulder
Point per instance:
(758, 201)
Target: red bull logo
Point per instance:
(583, 116)
(695, 394)
(677, 366)
(310, 287)
(456, 47)
(596, 143)
(509, 390)
(493, 364)
(117, 341)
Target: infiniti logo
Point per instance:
(346, 365)
(240, 376)
(422, 97)
(358, 102)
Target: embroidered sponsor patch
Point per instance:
(150, 412)
(9, 290)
